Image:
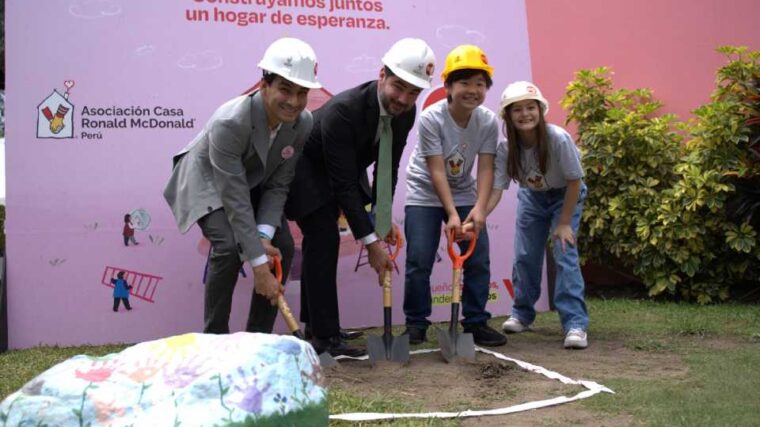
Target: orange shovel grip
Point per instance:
(398, 245)
(459, 260)
(277, 269)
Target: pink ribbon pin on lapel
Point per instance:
(287, 152)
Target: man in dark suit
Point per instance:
(233, 180)
(355, 129)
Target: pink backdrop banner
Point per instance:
(102, 93)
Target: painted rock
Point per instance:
(186, 380)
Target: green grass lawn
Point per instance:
(718, 348)
(719, 345)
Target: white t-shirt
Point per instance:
(563, 164)
(439, 135)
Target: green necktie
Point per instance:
(384, 183)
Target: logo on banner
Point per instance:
(55, 115)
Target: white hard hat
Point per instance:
(293, 60)
(412, 60)
(519, 91)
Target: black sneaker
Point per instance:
(485, 335)
(416, 335)
(336, 347)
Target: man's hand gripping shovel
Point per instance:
(387, 347)
(453, 344)
(325, 359)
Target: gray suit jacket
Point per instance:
(229, 158)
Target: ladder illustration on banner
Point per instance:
(143, 285)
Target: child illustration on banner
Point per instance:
(120, 292)
(129, 231)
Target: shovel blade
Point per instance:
(326, 360)
(400, 349)
(456, 346)
(448, 348)
(466, 347)
(397, 349)
(375, 348)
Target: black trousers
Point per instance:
(320, 246)
(224, 267)
(116, 303)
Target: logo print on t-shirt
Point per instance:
(455, 165)
(535, 180)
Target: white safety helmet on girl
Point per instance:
(412, 60)
(520, 91)
(292, 59)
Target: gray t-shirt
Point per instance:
(439, 135)
(564, 164)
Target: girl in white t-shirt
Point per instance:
(544, 160)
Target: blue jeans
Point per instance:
(537, 214)
(422, 227)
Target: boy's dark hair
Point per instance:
(465, 74)
(269, 77)
(120, 275)
(127, 217)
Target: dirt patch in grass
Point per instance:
(434, 385)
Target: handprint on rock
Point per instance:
(187, 371)
(250, 391)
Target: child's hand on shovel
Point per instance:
(454, 224)
(468, 229)
(477, 218)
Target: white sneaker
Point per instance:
(576, 338)
(514, 326)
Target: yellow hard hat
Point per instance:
(466, 57)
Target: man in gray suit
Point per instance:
(233, 180)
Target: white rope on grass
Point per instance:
(592, 388)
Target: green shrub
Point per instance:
(657, 206)
(628, 156)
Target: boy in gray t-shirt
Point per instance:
(439, 135)
(440, 189)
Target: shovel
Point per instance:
(388, 347)
(453, 344)
(325, 359)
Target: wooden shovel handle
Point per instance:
(387, 288)
(287, 314)
(281, 303)
(456, 291)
